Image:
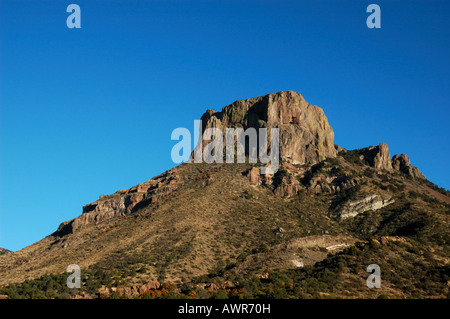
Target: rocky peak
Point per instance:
(380, 158)
(305, 134)
(377, 157)
(401, 163)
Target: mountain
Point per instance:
(226, 231)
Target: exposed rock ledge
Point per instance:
(124, 202)
(372, 202)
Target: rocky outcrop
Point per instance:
(344, 181)
(401, 163)
(254, 176)
(377, 157)
(288, 186)
(371, 202)
(380, 158)
(305, 135)
(124, 202)
(129, 292)
(329, 184)
(287, 182)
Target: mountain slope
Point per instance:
(225, 230)
(4, 251)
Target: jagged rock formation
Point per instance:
(124, 202)
(382, 158)
(305, 135)
(401, 163)
(379, 157)
(288, 184)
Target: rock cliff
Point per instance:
(401, 163)
(379, 157)
(305, 134)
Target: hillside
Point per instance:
(226, 231)
(4, 251)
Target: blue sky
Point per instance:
(85, 112)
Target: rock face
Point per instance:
(402, 164)
(372, 202)
(380, 158)
(305, 135)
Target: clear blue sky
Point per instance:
(85, 112)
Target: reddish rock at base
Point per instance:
(254, 176)
(289, 186)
